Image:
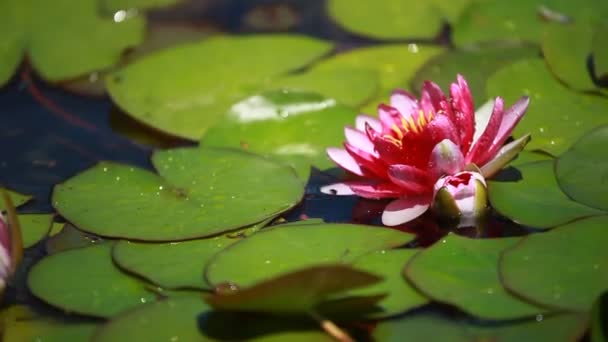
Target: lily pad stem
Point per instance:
(331, 328)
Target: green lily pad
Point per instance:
(523, 200)
(188, 319)
(565, 327)
(350, 86)
(34, 227)
(298, 292)
(387, 19)
(195, 195)
(394, 63)
(566, 48)
(281, 249)
(571, 114)
(476, 65)
(20, 324)
(32, 27)
(521, 20)
(170, 265)
(581, 172)
(529, 269)
(177, 90)
(599, 317)
(118, 5)
(525, 157)
(86, 281)
(389, 264)
(463, 272)
(17, 198)
(294, 127)
(600, 52)
(69, 238)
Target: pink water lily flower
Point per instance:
(5, 256)
(413, 144)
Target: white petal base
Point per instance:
(339, 189)
(404, 210)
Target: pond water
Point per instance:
(167, 147)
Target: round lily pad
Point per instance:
(581, 172)
(387, 19)
(565, 49)
(177, 90)
(34, 227)
(401, 296)
(523, 20)
(86, 281)
(278, 250)
(125, 5)
(170, 265)
(200, 192)
(562, 328)
(394, 63)
(295, 127)
(17, 198)
(529, 195)
(600, 53)
(463, 272)
(571, 114)
(188, 319)
(564, 268)
(525, 157)
(476, 65)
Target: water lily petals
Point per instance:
(389, 116)
(411, 179)
(504, 156)
(361, 120)
(510, 118)
(464, 111)
(367, 161)
(442, 128)
(344, 160)
(446, 159)
(431, 97)
(479, 151)
(359, 140)
(375, 190)
(482, 118)
(404, 210)
(405, 103)
(339, 189)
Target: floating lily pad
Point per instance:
(525, 157)
(17, 198)
(557, 116)
(350, 86)
(394, 63)
(565, 327)
(125, 5)
(186, 89)
(581, 172)
(534, 198)
(86, 281)
(401, 296)
(599, 319)
(33, 27)
(475, 64)
(69, 238)
(20, 324)
(463, 272)
(529, 269)
(566, 48)
(196, 195)
(295, 127)
(170, 265)
(278, 250)
(600, 53)
(298, 292)
(34, 227)
(188, 319)
(387, 19)
(521, 20)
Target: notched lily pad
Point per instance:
(464, 272)
(529, 268)
(298, 292)
(34, 227)
(17, 198)
(86, 281)
(195, 195)
(581, 171)
(281, 249)
(177, 90)
(529, 194)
